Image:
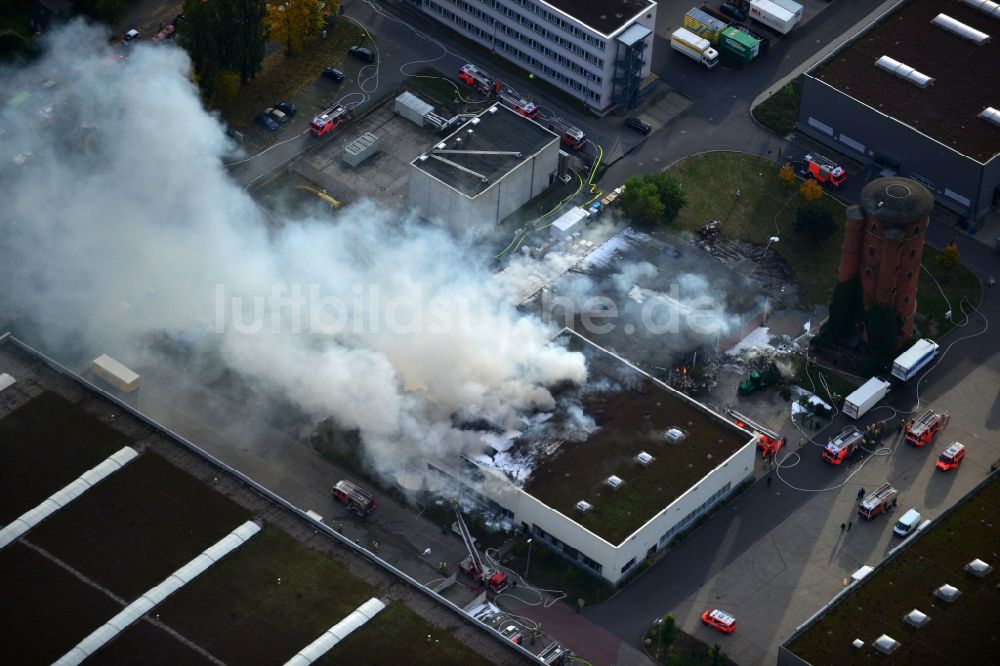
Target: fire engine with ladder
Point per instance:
(880, 501)
(333, 117)
(494, 580)
(492, 87)
(569, 135)
(922, 431)
(353, 497)
(825, 170)
(768, 442)
(838, 449)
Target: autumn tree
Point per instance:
(787, 175)
(294, 22)
(811, 190)
(949, 258)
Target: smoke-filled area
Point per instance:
(123, 224)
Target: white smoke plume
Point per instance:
(123, 222)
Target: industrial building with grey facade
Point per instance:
(917, 94)
(595, 50)
(484, 171)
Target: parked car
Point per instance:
(719, 620)
(266, 121)
(639, 125)
(334, 74)
(286, 108)
(277, 115)
(907, 523)
(361, 53)
(131, 37)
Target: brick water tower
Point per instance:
(883, 244)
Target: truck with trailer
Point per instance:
(779, 15)
(880, 501)
(838, 449)
(697, 48)
(922, 431)
(726, 36)
(865, 397)
(353, 497)
(913, 359)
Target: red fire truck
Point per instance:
(518, 102)
(494, 579)
(922, 431)
(951, 457)
(353, 497)
(843, 445)
(825, 170)
(768, 442)
(329, 119)
(489, 86)
(880, 501)
(569, 134)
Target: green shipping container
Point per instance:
(740, 44)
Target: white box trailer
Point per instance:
(695, 47)
(115, 373)
(865, 397)
(913, 359)
(779, 15)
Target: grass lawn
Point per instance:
(878, 605)
(686, 650)
(765, 208)
(398, 631)
(550, 571)
(779, 111)
(240, 612)
(283, 75)
(932, 304)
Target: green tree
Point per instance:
(883, 326)
(641, 201)
(815, 221)
(949, 258)
(670, 193)
(222, 36)
(108, 11)
(668, 630)
(810, 190)
(294, 22)
(846, 309)
(12, 45)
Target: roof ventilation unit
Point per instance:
(903, 71)
(857, 643)
(584, 506)
(644, 458)
(614, 482)
(978, 568)
(6, 381)
(990, 114)
(916, 619)
(492, 109)
(986, 7)
(675, 435)
(947, 592)
(964, 31)
(886, 644)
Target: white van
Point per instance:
(907, 523)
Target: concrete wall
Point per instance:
(655, 533)
(572, 57)
(436, 200)
(862, 132)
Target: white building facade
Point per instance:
(602, 66)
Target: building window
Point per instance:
(874, 228)
(871, 250)
(868, 272)
(906, 300)
(628, 565)
(909, 276)
(913, 253)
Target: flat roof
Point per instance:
(498, 129)
(137, 526)
(604, 16)
(965, 75)
(632, 413)
(957, 633)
